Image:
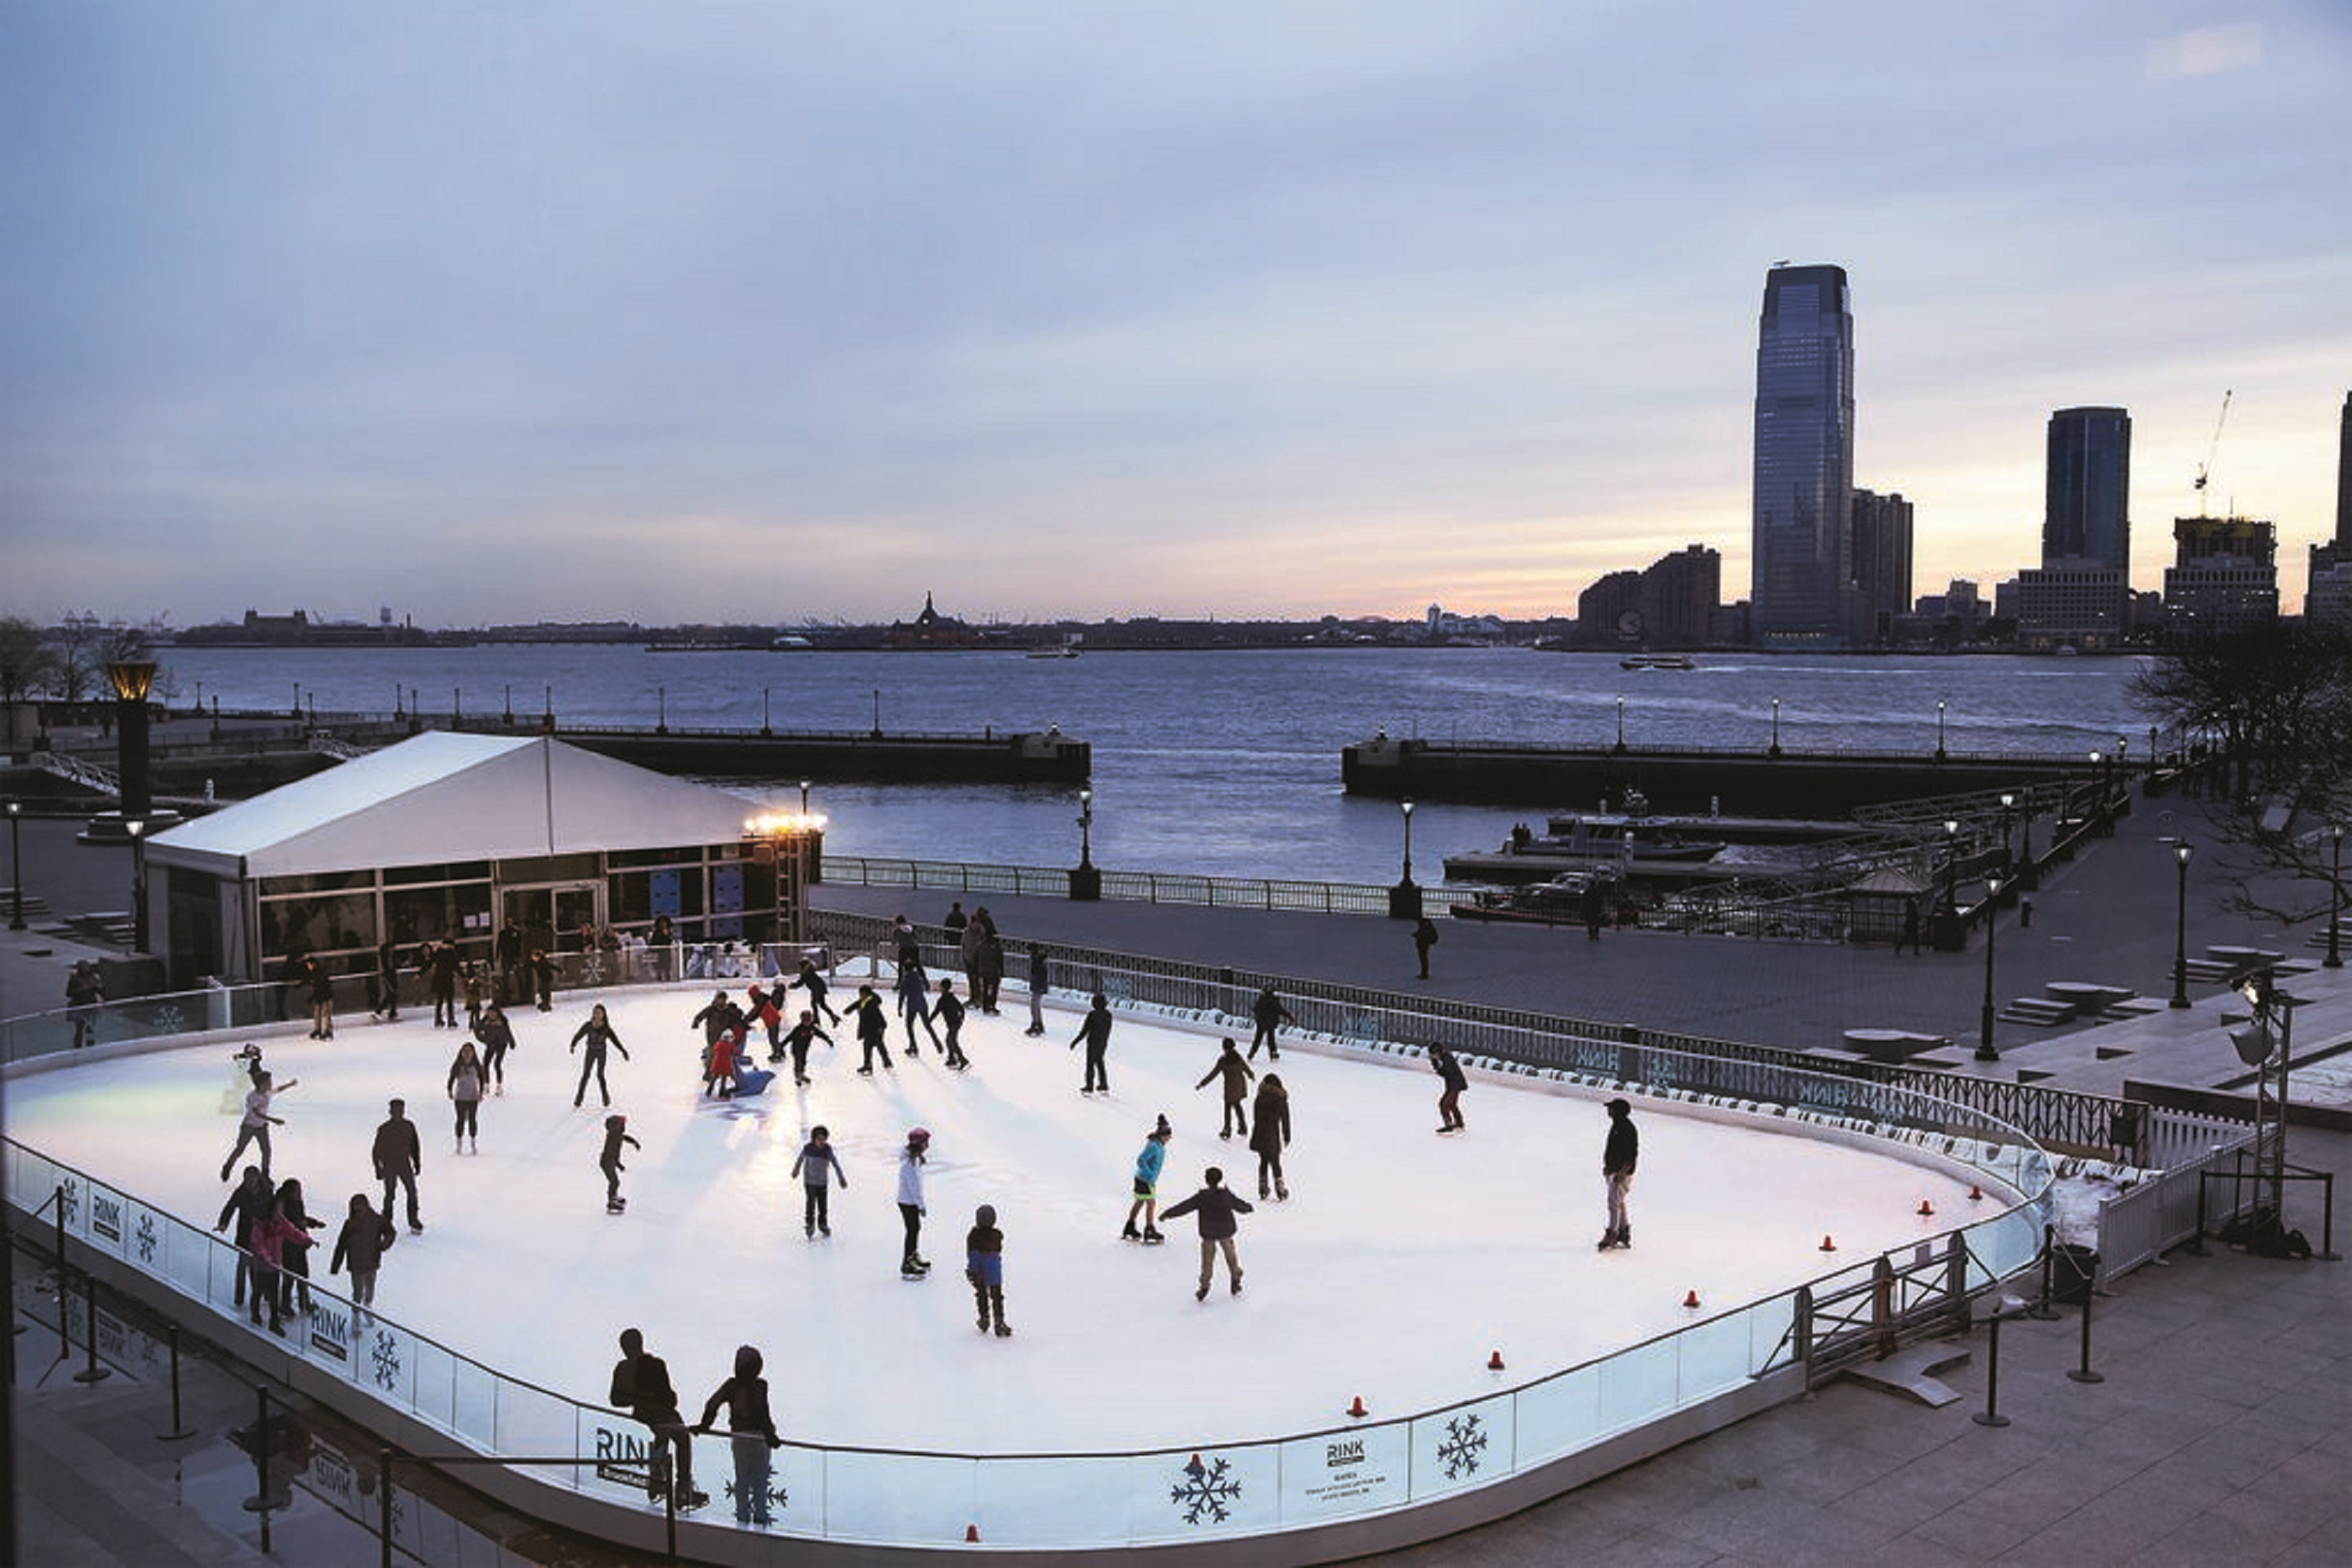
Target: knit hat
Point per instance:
(918, 1137)
(1162, 1130)
(985, 1213)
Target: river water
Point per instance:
(1224, 763)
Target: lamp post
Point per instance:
(2180, 852)
(2096, 800)
(1086, 881)
(1985, 1051)
(1776, 727)
(137, 828)
(764, 728)
(1951, 867)
(804, 789)
(2336, 899)
(1621, 723)
(2029, 875)
(17, 863)
(2008, 804)
(661, 710)
(1939, 729)
(1404, 898)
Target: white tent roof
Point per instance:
(440, 797)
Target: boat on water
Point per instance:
(1066, 649)
(1564, 899)
(1657, 661)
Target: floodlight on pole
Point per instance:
(2180, 851)
(1985, 1051)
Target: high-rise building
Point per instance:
(1801, 587)
(2086, 516)
(2344, 479)
(1882, 563)
(2223, 579)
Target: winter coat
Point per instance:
(1619, 1154)
(1149, 1162)
(910, 1179)
(1268, 1009)
(810, 1164)
(1441, 1061)
(464, 1079)
(363, 1242)
(1217, 1208)
(397, 1150)
(246, 1206)
(1271, 1115)
(641, 1386)
(273, 1234)
(744, 1396)
(1234, 1071)
(947, 1008)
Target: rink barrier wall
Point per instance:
(1380, 1483)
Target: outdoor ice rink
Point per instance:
(1401, 1262)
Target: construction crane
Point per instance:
(2205, 468)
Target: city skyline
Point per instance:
(699, 314)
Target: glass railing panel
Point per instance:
(1071, 1500)
(435, 1386)
(474, 1406)
(1335, 1475)
(1464, 1447)
(1559, 1415)
(1771, 1333)
(898, 1498)
(1638, 1385)
(1712, 1356)
(528, 1420)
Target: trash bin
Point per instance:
(2073, 1269)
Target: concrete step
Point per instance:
(2040, 1011)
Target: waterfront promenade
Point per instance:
(2222, 1431)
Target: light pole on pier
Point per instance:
(1085, 880)
(2336, 899)
(1621, 723)
(137, 828)
(764, 728)
(17, 863)
(2180, 852)
(1951, 867)
(1985, 1050)
(1776, 727)
(1939, 729)
(804, 789)
(661, 710)
(1404, 898)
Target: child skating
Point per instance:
(1215, 1208)
(816, 1159)
(797, 1043)
(1273, 1135)
(1237, 1074)
(983, 1265)
(950, 1012)
(598, 1034)
(1449, 1104)
(617, 1136)
(1148, 1162)
(910, 1202)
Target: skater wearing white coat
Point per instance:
(910, 1202)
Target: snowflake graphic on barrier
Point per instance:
(386, 1357)
(69, 1201)
(1466, 1439)
(776, 1495)
(146, 1237)
(591, 968)
(1205, 1490)
(170, 1020)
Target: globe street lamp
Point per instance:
(2008, 804)
(1404, 898)
(2031, 874)
(1086, 881)
(804, 789)
(2336, 899)
(1986, 1052)
(1621, 723)
(1951, 867)
(2180, 852)
(1776, 726)
(17, 863)
(137, 828)
(1939, 729)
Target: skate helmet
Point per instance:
(918, 1136)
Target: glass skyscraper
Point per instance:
(2087, 515)
(1802, 570)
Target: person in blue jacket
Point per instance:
(1148, 1162)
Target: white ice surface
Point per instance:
(1402, 1261)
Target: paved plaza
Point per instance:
(2221, 1430)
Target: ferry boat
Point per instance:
(1657, 661)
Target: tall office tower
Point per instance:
(2086, 513)
(1800, 592)
(1882, 563)
(2344, 479)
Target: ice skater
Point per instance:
(322, 999)
(1619, 1156)
(910, 1202)
(641, 1386)
(797, 1041)
(1039, 983)
(1449, 1104)
(294, 1263)
(751, 1430)
(914, 988)
(466, 1094)
(1215, 1209)
(616, 1138)
(810, 981)
(1424, 937)
(1095, 1032)
(85, 993)
(983, 1265)
(273, 1235)
(498, 1039)
(399, 1157)
(1148, 1160)
(719, 1062)
(718, 1015)
(253, 1126)
(384, 987)
(1236, 1075)
(597, 1032)
(543, 979)
(948, 1011)
(764, 1013)
(469, 975)
(1273, 1135)
(365, 1237)
(247, 1202)
(1269, 1014)
(873, 1030)
(811, 1166)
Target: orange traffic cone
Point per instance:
(1926, 1209)
(1495, 1362)
(1828, 1243)
(1691, 1299)
(1976, 1195)
(971, 1533)
(1357, 1408)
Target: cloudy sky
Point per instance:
(490, 311)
